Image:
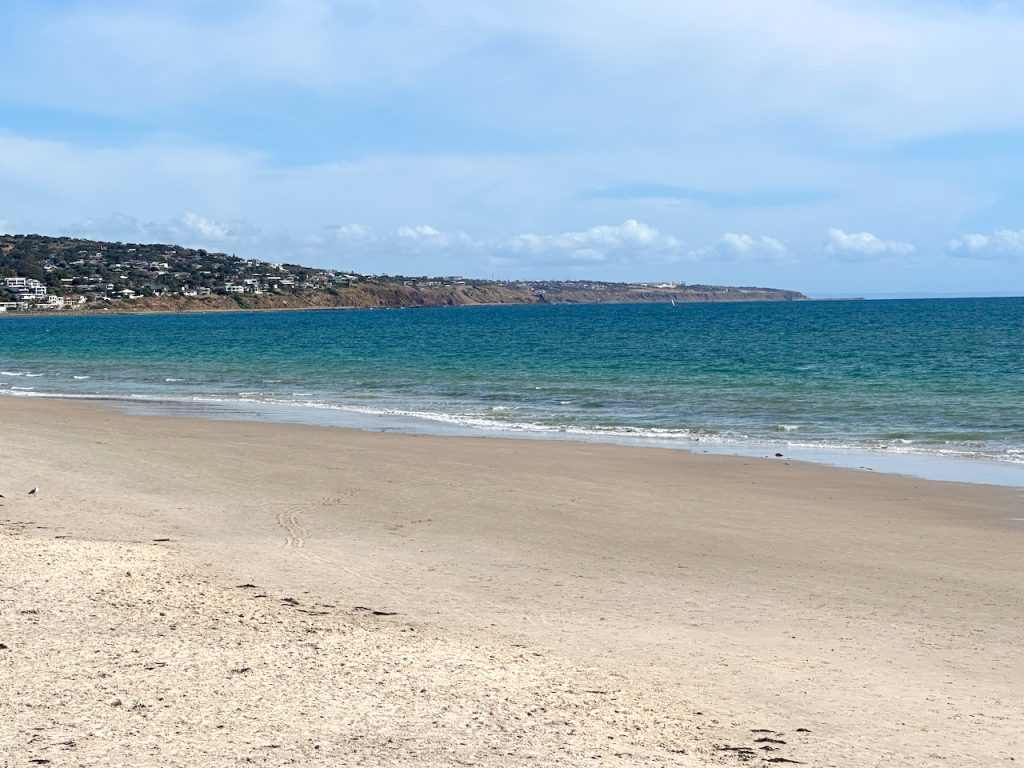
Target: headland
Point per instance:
(48, 274)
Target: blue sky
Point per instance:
(830, 146)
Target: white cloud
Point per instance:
(337, 246)
(351, 231)
(631, 240)
(205, 228)
(636, 243)
(425, 237)
(863, 245)
(421, 232)
(356, 245)
(746, 244)
(742, 247)
(190, 230)
(1003, 243)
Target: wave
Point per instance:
(643, 435)
(494, 420)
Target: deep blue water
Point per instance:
(943, 376)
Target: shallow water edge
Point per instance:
(926, 467)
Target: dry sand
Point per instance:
(497, 602)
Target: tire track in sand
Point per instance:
(292, 521)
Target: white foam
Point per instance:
(27, 392)
(489, 422)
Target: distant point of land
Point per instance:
(40, 273)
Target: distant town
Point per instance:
(40, 273)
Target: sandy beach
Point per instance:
(188, 592)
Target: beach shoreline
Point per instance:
(879, 613)
(905, 463)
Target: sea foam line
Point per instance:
(636, 435)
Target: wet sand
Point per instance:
(649, 606)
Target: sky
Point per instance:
(838, 147)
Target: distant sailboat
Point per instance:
(673, 302)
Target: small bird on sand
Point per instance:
(34, 491)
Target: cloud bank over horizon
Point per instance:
(796, 142)
(630, 243)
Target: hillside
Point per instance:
(39, 272)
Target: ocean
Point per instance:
(940, 378)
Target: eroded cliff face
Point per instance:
(384, 295)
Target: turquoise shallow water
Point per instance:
(937, 377)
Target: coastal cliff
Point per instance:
(59, 273)
(384, 295)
